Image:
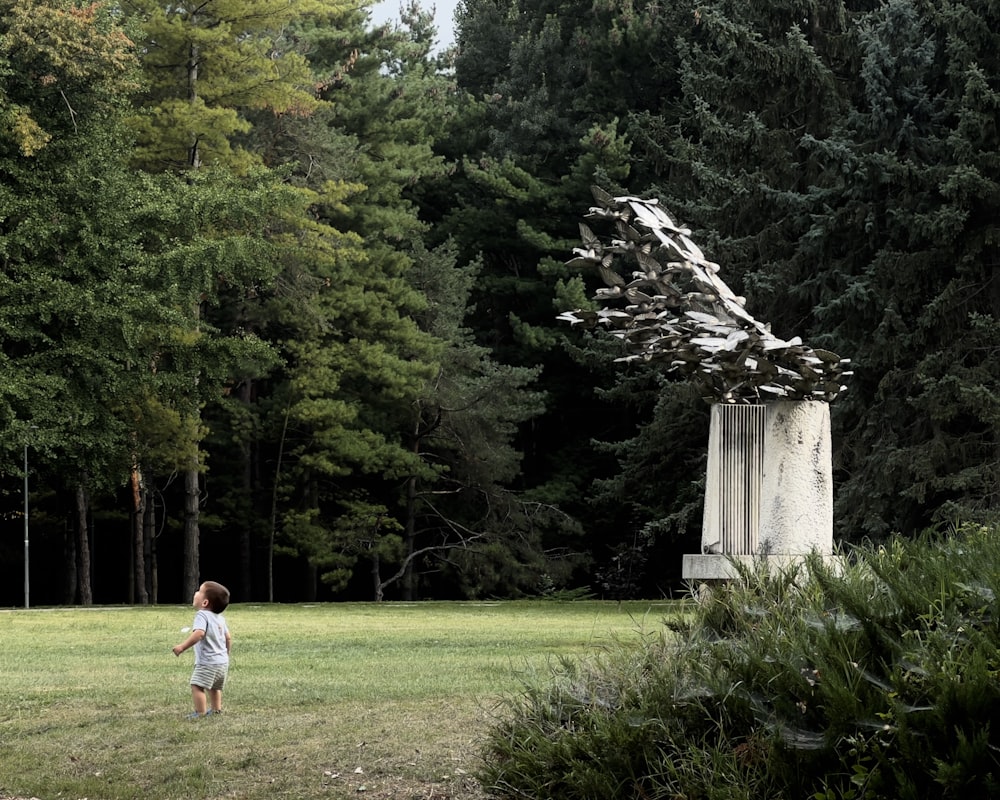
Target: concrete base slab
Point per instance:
(711, 567)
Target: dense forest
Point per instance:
(279, 287)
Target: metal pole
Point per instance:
(27, 581)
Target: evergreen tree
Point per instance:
(428, 408)
(843, 209)
(900, 253)
(540, 123)
(463, 429)
(209, 66)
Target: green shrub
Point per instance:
(878, 680)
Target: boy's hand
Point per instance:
(178, 649)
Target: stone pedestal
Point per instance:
(768, 487)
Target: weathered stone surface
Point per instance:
(797, 483)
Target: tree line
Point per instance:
(279, 289)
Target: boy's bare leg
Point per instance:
(200, 701)
(215, 695)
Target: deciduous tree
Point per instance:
(80, 303)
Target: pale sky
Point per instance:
(444, 16)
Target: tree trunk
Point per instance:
(149, 538)
(246, 522)
(377, 577)
(994, 283)
(194, 154)
(409, 537)
(72, 567)
(274, 507)
(312, 581)
(410, 527)
(192, 566)
(83, 571)
(141, 596)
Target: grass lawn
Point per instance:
(323, 701)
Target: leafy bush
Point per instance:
(880, 679)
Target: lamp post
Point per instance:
(27, 580)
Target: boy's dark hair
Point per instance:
(217, 596)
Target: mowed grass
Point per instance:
(323, 701)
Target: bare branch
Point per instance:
(72, 113)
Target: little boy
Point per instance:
(212, 643)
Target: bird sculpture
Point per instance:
(673, 308)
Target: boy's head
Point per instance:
(213, 596)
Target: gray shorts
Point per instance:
(210, 676)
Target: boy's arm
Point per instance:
(229, 641)
(196, 636)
